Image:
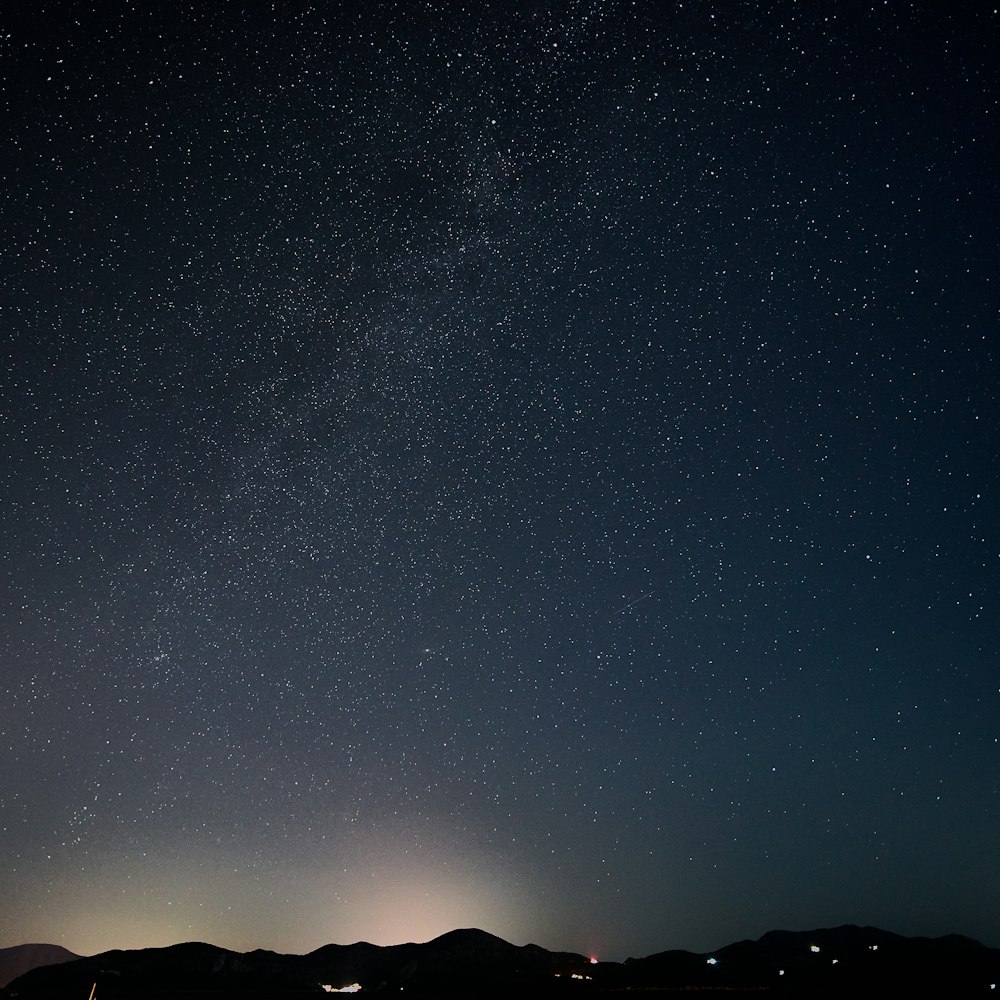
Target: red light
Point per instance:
(593, 961)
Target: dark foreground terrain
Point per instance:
(855, 961)
(17, 961)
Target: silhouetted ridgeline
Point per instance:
(17, 961)
(832, 962)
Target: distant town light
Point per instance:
(593, 960)
(713, 961)
(814, 948)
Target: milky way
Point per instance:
(531, 468)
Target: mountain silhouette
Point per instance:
(456, 959)
(829, 962)
(820, 963)
(20, 959)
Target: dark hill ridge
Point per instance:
(454, 959)
(20, 959)
(830, 962)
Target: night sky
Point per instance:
(530, 466)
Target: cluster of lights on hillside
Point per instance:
(814, 949)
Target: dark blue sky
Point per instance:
(531, 467)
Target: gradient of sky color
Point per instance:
(527, 466)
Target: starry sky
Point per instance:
(520, 465)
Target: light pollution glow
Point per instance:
(384, 898)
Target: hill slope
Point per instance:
(831, 962)
(459, 958)
(22, 958)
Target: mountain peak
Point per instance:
(469, 935)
